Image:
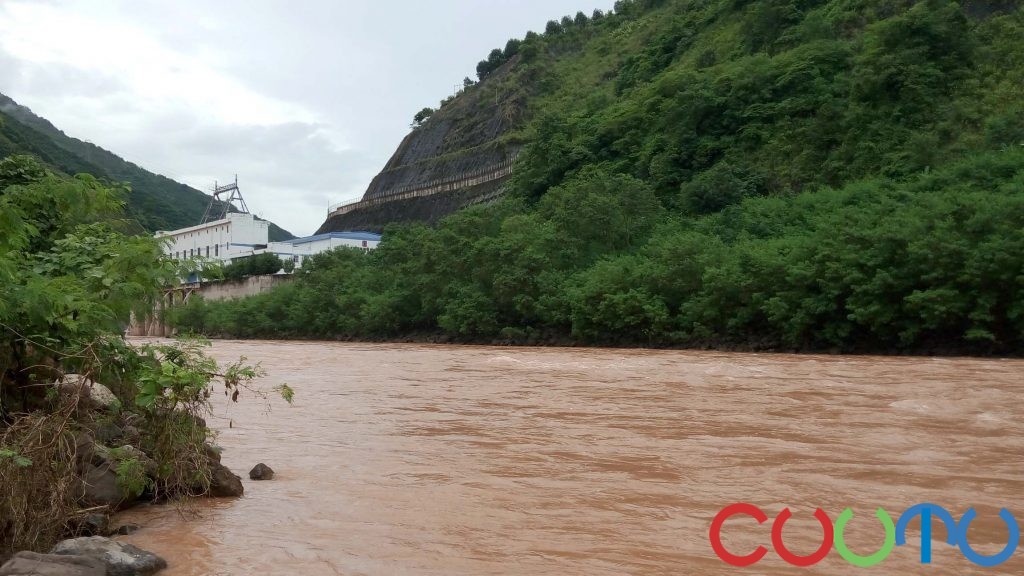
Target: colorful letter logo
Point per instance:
(895, 535)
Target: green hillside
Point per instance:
(771, 174)
(158, 203)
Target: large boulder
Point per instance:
(120, 559)
(32, 564)
(90, 394)
(261, 472)
(224, 483)
(99, 487)
(106, 433)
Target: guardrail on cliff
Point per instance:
(333, 207)
(464, 180)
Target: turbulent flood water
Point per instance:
(446, 460)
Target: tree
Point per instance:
(495, 59)
(422, 116)
(511, 48)
(530, 47)
(580, 20)
(258, 265)
(798, 196)
(598, 211)
(467, 82)
(552, 28)
(723, 185)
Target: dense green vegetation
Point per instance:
(156, 202)
(806, 174)
(71, 277)
(266, 263)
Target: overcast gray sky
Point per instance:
(304, 99)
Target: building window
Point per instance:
(207, 251)
(216, 249)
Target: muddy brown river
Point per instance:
(449, 460)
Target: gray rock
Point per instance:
(120, 559)
(127, 529)
(113, 456)
(106, 432)
(131, 434)
(94, 525)
(85, 451)
(213, 453)
(224, 483)
(32, 564)
(128, 451)
(101, 397)
(99, 487)
(261, 472)
(93, 394)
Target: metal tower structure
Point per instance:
(226, 196)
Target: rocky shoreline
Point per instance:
(86, 556)
(113, 473)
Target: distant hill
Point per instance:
(764, 174)
(157, 202)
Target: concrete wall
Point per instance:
(230, 289)
(152, 325)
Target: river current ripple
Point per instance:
(455, 460)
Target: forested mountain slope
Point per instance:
(796, 174)
(157, 202)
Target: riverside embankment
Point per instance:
(452, 460)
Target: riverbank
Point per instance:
(939, 349)
(468, 460)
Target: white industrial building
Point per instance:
(298, 249)
(241, 234)
(235, 236)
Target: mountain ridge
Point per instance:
(827, 175)
(156, 201)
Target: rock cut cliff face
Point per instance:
(460, 156)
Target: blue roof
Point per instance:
(340, 235)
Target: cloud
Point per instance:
(288, 173)
(157, 75)
(305, 100)
(172, 111)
